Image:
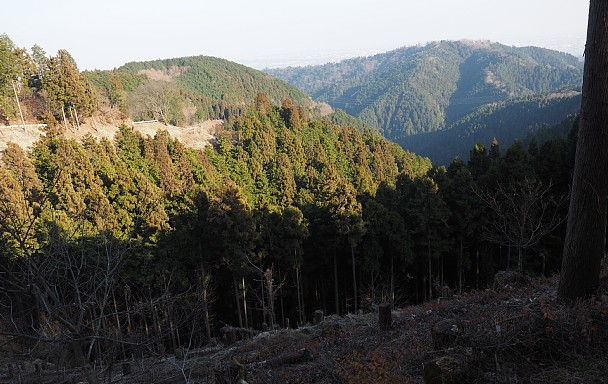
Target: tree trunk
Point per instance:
(430, 270)
(264, 309)
(245, 311)
(127, 307)
(520, 260)
(169, 316)
(157, 329)
(460, 268)
(441, 272)
(373, 288)
(352, 253)
(417, 284)
(238, 302)
(477, 268)
(282, 322)
(118, 331)
(80, 362)
(299, 293)
(270, 290)
(336, 297)
(584, 245)
(206, 312)
(392, 281)
(203, 286)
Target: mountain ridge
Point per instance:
(430, 88)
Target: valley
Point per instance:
(393, 218)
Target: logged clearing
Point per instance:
(196, 136)
(517, 332)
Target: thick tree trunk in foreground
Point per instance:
(584, 245)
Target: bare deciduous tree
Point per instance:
(521, 214)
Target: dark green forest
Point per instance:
(519, 119)
(114, 240)
(137, 245)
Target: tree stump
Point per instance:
(126, 369)
(446, 292)
(230, 338)
(179, 353)
(444, 370)
(447, 333)
(318, 316)
(385, 320)
(504, 280)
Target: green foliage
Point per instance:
(66, 88)
(217, 79)
(308, 200)
(196, 88)
(9, 72)
(427, 88)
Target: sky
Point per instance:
(105, 34)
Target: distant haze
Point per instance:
(273, 33)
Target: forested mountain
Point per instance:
(437, 86)
(195, 88)
(182, 91)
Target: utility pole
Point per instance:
(73, 119)
(18, 104)
(76, 114)
(65, 124)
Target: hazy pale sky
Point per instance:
(105, 34)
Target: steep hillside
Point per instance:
(184, 91)
(217, 79)
(428, 88)
(517, 332)
(506, 121)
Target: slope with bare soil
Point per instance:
(196, 136)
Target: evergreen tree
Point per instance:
(291, 114)
(66, 88)
(262, 103)
(426, 217)
(465, 214)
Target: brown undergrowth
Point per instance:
(518, 332)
